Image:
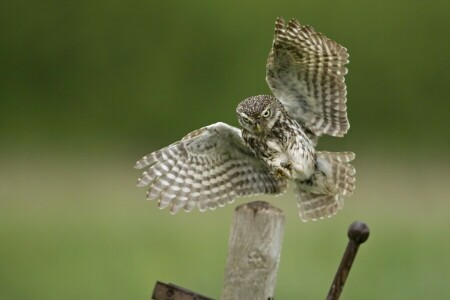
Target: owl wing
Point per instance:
(305, 71)
(209, 167)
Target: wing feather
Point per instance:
(305, 71)
(208, 168)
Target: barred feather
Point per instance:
(305, 71)
(322, 195)
(207, 169)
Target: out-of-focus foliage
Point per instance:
(87, 87)
(145, 72)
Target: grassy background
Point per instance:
(87, 87)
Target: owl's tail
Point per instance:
(322, 194)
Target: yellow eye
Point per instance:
(266, 113)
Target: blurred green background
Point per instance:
(88, 87)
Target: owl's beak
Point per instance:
(258, 128)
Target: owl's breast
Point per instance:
(274, 146)
(264, 147)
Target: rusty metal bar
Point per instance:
(169, 291)
(358, 233)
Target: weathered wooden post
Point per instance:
(253, 252)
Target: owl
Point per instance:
(214, 165)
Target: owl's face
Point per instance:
(258, 114)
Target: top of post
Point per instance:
(259, 206)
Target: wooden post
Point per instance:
(253, 252)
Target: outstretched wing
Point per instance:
(209, 167)
(305, 71)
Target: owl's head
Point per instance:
(258, 114)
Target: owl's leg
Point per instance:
(281, 168)
(286, 165)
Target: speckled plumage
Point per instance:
(213, 165)
(321, 178)
(281, 142)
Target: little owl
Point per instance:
(213, 165)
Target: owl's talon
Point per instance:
(276, 175)
(280, 173)
(287, 166)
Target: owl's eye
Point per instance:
(266, 113)
(246, 121)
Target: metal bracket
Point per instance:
(169, 291)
